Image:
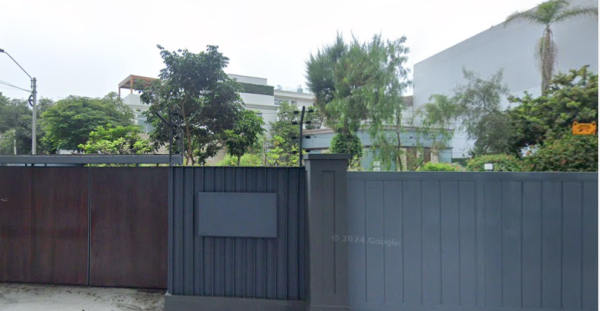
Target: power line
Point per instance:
(14, 86)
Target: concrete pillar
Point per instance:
(327, 214)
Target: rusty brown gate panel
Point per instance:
(129, 227)
(44, 225)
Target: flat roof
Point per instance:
(131, 79)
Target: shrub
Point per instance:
(567, 154)
(348, 144)
(440, 167)
(501, 162)
(246, 160)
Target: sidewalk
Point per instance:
(26, 297)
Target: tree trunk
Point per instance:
(238, 161)
(547, 58)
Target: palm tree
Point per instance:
(547, 14)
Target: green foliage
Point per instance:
(284, 129)
(277, 155)
(283, 147)
(116, 140)
(460, 161)
(246, 160)
(567, 154)
(358, 81)
(69, 122)
(481, 114)
(501, 162)
(257, 89)
(570, 97)
(348, 144)
(7, 142)
(440, 167)
(245, 133)
(15, 120)
(206, 102)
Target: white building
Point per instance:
(257, 95)
(299, 96)
(512, 49)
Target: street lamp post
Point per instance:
(33, 105)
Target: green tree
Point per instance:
(547, 14)
(358, 82)
(284, 128)
(244, 134)
(570, 97)
(116, 140)
(197, 89)
(481, 114)
(15, 117)
(277, 155)
(348, 144)
(283, 145)
(432, 127)
(68, 123)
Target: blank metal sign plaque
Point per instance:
(227, 214)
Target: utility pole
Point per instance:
(33, 104)
(34, 117)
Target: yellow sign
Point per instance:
(584, 128)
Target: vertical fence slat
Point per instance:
(450, 239)
(511, 243)
(392, 224)
(572, 245)
(590, 246)
(292, 246)
(356, 252)
(199, 271)
(411, 224)
(551, 244)
(188, 229)
(493, 244)
(468, 243)
(532, 246)
(431, 246)
(375, 257)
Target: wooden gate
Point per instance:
(84, 226)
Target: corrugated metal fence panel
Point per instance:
(473, 241)
(268, 268)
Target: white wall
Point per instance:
(247, 79)
(509, 48)
(301, 99)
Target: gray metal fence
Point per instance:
(472, 241)
(238, 232)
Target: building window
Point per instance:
(294, 102)
(142, 122)
(278, 102)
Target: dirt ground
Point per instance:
(26, 297)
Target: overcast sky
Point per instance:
(87, 47)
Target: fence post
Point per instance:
(327, 214)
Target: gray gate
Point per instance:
(237, 232)
(472, 241)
